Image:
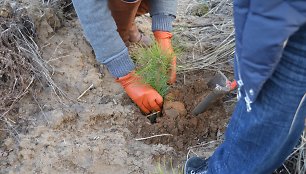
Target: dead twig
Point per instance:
(89, 88)
(154, 136)
(197, 25)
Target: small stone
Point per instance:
(194, 121)
(180, 144)
(105, 99)
(200, 9)
(181, 125)
(175, 132)
(9, 142)
(6, 11)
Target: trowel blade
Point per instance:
(218, 80)
(207, 101)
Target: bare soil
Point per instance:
(185, 129)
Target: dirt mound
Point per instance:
(185, 130)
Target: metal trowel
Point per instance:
(221, 86)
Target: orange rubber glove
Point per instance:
(163, 39)
(147, 98)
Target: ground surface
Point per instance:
(177, 120)
(96, 134)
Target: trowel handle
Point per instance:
(232, 85)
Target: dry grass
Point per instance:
(20, 61)
(295, 163)
(215, 43)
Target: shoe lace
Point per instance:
(195, 172)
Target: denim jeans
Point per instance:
(259, 141)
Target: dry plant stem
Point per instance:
(188, 153)
(16, 100)
(298, 156)
(41, 109)
(90, 87)
(153, 114)
(198, 26)
(205, 144)
(202, 146)
(33, 49)
(154, 136)
(57, 58)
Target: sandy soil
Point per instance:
(96, 134)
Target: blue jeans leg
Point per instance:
(259, 141)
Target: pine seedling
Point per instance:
(153, 66)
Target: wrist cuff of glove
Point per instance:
(162, 35)
(121, 65)
(162, 22)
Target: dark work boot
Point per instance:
(196, 165)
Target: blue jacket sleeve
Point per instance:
(101, 31)
(268, 25)
(99, 27)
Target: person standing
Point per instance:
(270, 68)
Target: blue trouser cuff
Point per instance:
(121, 65)
(162, 22)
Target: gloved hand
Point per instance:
(163, 39)
(147, 98)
